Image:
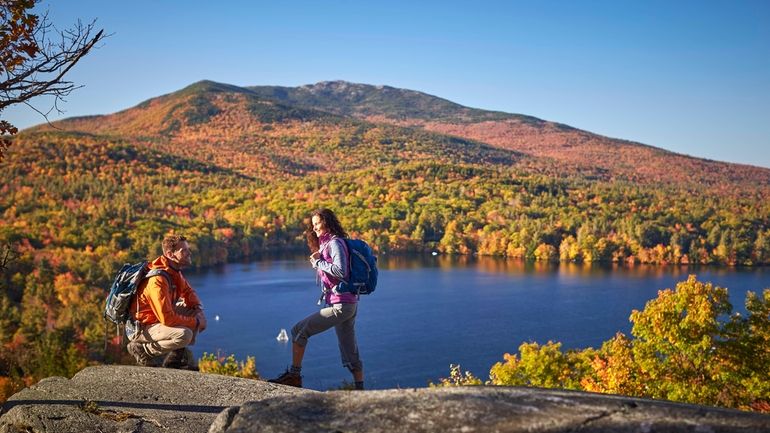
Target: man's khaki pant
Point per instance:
(160, 339)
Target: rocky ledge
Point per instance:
(130, 399)
(135, 399)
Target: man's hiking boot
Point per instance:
(140, 355)
(288, 378)
(181, 359)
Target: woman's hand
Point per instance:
(315, 256)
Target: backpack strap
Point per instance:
(166, 275)
(347, 253)
(350, 263)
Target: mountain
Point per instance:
(298, 130)
(577, 149)
(239, 129)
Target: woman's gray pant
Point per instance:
(343, 318)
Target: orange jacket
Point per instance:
(156, 300)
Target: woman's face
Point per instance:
(319, 226)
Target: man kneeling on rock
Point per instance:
(167, 313)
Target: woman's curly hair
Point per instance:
(312, 240)
(332, 224)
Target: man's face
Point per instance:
(182, 256)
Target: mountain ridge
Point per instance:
(223, 118)
(528, 135)
(365, 100)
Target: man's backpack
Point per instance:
(362, 275)
(124, 288)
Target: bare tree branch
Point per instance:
(30, 82)
(35, 57)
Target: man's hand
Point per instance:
(202, 323)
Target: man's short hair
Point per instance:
(172, 243)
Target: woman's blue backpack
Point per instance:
(362, 275)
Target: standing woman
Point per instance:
(330, 260)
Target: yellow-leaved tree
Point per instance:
(679, 346)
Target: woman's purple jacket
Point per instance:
(333, 267)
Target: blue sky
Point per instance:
(688, 76)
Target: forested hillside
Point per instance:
(238, 171)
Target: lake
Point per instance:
(429, 312)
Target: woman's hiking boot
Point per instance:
(288, 378)
(140, 354)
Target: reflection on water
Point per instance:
(499, 265)
(430, 311)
